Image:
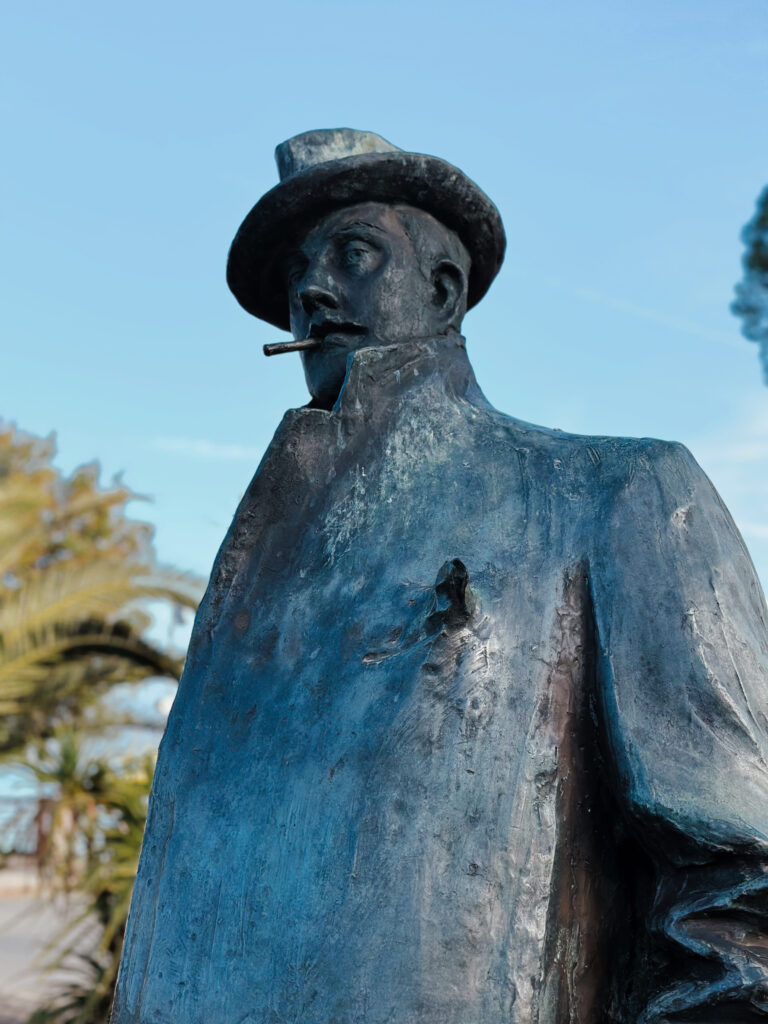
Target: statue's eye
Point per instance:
(357, 255)
(294, 272)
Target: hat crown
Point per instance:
(305, 151)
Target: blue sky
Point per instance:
(624, 144)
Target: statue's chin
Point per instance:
(326, 388)
(326, 368)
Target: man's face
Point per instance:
(356, 281)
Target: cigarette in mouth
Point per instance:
(292, 346)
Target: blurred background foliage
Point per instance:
(751, 303)
(77, 579)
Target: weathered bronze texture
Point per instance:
(473, 724)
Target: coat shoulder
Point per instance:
(614, 461)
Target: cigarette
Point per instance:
(292, 346)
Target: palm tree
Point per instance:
(95, 836)
(75, 576)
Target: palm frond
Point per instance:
(78, 581)
(66, 593)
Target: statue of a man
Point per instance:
(473, 724)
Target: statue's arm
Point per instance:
(683, 682)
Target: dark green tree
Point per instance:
(751, 302)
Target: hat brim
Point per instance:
(287, 211)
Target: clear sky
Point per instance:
(625, 144)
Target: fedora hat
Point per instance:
(325, 170)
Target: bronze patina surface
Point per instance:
(473, 724)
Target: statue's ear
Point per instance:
(449, 292)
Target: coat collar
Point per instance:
(380, 375)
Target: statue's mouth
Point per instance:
(330, 329)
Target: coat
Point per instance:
(472, 729)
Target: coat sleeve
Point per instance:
(683, 683)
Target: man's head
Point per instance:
(396, 244)
(372, 274)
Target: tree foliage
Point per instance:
(751, 302)
(75, 574)
(92, 853)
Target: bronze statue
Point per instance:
(473, 724)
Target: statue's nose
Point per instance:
(314, 297)
(317, 289)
